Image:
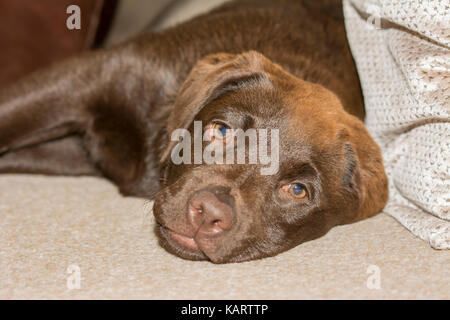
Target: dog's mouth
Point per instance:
(180, 245)
(184, 241)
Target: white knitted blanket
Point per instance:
(402, 52)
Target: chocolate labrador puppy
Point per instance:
(282, 66)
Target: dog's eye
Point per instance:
(219, 130)
(295, 190)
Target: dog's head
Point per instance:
(321, 168)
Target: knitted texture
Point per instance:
(402, 52)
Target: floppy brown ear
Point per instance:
(211, 77)
(364, 175)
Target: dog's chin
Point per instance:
(179, 245)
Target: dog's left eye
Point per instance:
(295, 190)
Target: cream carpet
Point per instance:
(50, 223)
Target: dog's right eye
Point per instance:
(218, 131)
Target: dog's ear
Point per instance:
(364, 178)
(210, 78)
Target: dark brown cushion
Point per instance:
(34, 33)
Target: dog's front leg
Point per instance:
(108, 97)
(51, 103)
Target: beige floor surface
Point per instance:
(48, 224)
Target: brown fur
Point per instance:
(256, 64)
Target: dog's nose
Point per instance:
(209, 215)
